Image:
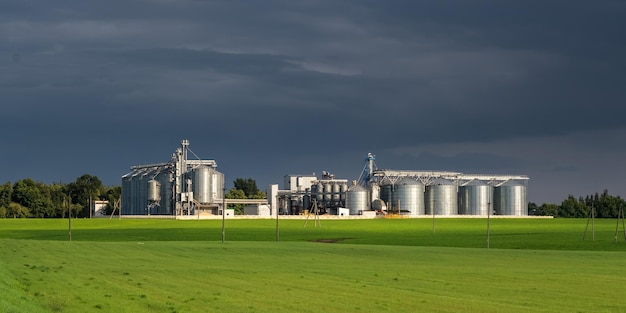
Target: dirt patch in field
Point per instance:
(331, 240)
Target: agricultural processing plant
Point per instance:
(332, 265)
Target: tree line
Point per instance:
(28, 198)
(604, 205)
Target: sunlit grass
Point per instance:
(374, 266)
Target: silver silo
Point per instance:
(336, 192)
(328, 191)
(202, 184)
(475, 198)
(356, 200)
(441, 196)
(343, 189)
(154, 191)
(408, 197)
(319, 192)
(510, 199)
(217, 185)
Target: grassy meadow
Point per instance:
(381, 265)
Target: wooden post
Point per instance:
(69, 218)
(223, 215)
(488, 223)
(276, 206)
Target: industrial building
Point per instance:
(178, 187)
(184, 187)
(406, 193)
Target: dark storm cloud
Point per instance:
(303, 86)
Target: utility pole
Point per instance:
(488, 222)
(276, 206)
(223, 215)
(69, 217)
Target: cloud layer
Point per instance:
(278, 87)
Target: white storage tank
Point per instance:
(441, 196)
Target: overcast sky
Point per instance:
(269, 88)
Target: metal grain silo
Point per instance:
(386, 192)
(475, 198)
(343, 189)
(336, 192)
(408, 197)
(202, 184)
(441, 197)
(356, 200)
(127, 192)
(510, 199)
(217, 185)
(328, 191)
(166, 179)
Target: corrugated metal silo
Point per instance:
(202, 184)
(510, 199)
(386, 191)
(475, 198)
(408, 196)
(441, 196)
(217, 185)
(356, 200)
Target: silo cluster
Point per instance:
(179, 187)
(144, 191)
(329, 193)
(409, 196)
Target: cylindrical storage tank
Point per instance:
(319, 192)
(386, 191)
(343, 189)
(408, 197)
(356, 200)
(306, 202)
(441, 197)
(154, 191)
(475, 198)
(336, 192)
(127, 191)
(202, 182)
(217, 185)
(328, 191)
(510, 199)
(166, 181)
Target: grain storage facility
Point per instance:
(178, 187)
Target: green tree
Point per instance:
(571, 207)
(17, 210)
(548, 209)
(27, 193)
(247, 185)
(6, 191)
(234, 193)
(84, 190)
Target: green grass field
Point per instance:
(381, 265)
